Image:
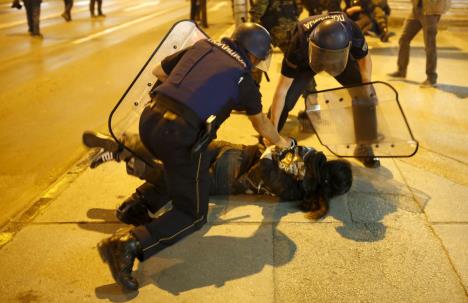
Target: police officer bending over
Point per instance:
(334, 44)
(200, 86)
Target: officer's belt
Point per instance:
(163, 103)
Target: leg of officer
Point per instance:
(298, 86)
(364, 112)
(170, 139)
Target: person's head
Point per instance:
(329, 45)
(323, 180)
(256, 42)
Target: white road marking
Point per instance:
(120, 26)
(217, 6)
(84, 8)
(142, 5)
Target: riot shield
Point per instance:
(124, 117)
(361, 117)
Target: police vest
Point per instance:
(206, 79)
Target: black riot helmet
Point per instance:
(329, 45)
(255, 39)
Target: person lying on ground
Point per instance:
(292, 174)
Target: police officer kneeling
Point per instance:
(200, 86)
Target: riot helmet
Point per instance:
(256, 40)
(329, 45)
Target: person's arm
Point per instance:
(266, 129)
(159, 72)
(163, 69)
(353, 10)
(365, 68)
(284, 83)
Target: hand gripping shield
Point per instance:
(125, 116)
(362, 117)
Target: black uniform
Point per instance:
(296, 61)
(210, 78)
(236, 169)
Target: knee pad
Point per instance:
(133, 211)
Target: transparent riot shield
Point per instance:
(124, 117)
(366, 117)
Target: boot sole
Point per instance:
(105, 257)
(94, 139)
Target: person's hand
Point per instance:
(266, 142)
(286, 143)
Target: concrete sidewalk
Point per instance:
(399, 235)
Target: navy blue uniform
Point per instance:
(296, 61)
(209, 78)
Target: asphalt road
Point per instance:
(53, 89)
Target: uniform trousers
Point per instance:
(365, 120)
(413, 24)
(169, 137)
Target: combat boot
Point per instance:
(133, 211)
(119, 252)
(365, 155)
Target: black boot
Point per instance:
(133, 211)
(119, 252)
(365, 155)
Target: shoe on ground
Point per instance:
(119, 252)
(133, 211)
(66, 16)
(37, 35)
(386, 36)
(397, 74)
(428, 83)
(16, 4)
(365, 155)
(94, 139)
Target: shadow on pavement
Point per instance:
(457, 90)
(203, 259)
(419, 52)
(374, 195)
(211, 258)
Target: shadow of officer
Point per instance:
(211, 258)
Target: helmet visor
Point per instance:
(264, 65)
(332, 61)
